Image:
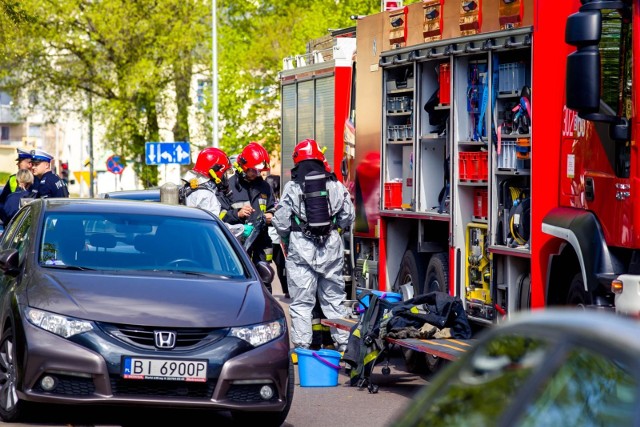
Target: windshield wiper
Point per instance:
(68, 267)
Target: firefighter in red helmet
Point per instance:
(313, 208)
(250, 201)
(202, 183)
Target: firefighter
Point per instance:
(207, 182)
(314, 252)
(278, 253)
(47, 183)
(250, 200)
(208, 174)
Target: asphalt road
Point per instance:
(342, 405)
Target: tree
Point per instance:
(135, 60)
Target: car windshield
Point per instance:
(126, 242)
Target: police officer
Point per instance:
(12, 204)
(314, 266)
(249, 198)
(23, 162)
(47, 183)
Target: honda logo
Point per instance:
(165, 339)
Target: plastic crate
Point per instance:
(481, 203)
(507, 157)
(473, 165)
(393, 195)
(511, 77)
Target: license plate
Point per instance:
(136, 368)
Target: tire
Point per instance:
(525, 291)
(434, 363)
(269, 418)
(577, 296)
(410, 271)
(414, 361)
(11, 408)
(437, 277)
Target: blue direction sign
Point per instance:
(162, 153)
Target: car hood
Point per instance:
(175, 300)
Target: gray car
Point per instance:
(139, 304)
(551, 367)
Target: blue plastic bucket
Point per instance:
(389, 296)
(318, 368)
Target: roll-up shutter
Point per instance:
(325, 115)
(288, 136)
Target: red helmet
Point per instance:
(212, 159)
(254, 156)
(309, 149)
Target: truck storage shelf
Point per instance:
(515, 135)
(512, 94)
(400, 141)
(505, 250)
(399, 113)
(474, 183)
(480, 143)
(432, 138)
(405, 90)
(442, 107)
(398, 213)
(513, 172)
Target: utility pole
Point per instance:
(214, 73)
(90, 145)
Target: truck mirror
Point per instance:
(584, 28)
(583, 80)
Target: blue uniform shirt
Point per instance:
(50, 185)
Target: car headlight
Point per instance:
(60, 325)
(259, 334)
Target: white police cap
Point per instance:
(23, 154)
(41, 156)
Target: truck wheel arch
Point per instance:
(581, 230)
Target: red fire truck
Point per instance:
(494, 154)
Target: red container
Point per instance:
(473, 165)
(481, 203)
(393, 195)
(444, 78)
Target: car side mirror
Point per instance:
(265, 271)
(9, 262)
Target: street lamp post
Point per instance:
(214, 73)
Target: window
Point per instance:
(4, 133)
(615, 50)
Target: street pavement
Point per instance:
(344, 405)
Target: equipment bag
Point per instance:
(365, 345)
(319, 222)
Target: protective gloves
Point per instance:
(248, 228)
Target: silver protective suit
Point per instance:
(207, 199)
(314, 269)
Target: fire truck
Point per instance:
(494, 153)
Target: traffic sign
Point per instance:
(162, 153)
(114, 164)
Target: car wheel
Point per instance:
(11, 408)
(577, 296)
(268, 419)
(437, 277)
(410, 271)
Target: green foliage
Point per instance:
(136, 60)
